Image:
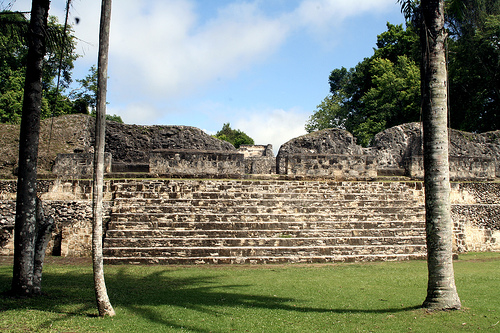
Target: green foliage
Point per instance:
(394, 97)
(380, 92)
(327, 115)
(234, 137)
(371, 297)
(114, 117)
(474, 66)
(384, 90)
(13, 53)
(85, 96)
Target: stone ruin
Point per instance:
(180, 151)
(472, 156)
(184, 151)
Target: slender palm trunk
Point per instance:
(103, 304)
(441, 289)
(25, 224)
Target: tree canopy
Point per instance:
(56, 101)
(384, 90)
(13, 54)
(235, 137)
(380, 92)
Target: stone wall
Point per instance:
(259, 159)
(470, 153)
(325, 142)
(462, 168)
(476, 216)
(250, 151)
(69, 202)
(475, 212)
(196, 163)
(78, 165)
(339, 167)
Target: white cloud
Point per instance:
(136, 113)
(163, 50)
(319, 13)
(167, 52)
(275, 126)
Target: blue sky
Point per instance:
(261, 65)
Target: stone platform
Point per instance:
(195, 222)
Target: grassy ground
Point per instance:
(371, 297)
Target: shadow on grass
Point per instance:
(71, 294)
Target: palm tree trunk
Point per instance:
(25, 224)
(103, 304)
(441, 289)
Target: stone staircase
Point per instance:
(237, 221)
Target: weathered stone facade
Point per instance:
(395, 151)
(259, 159)
(280, 219)
(472, 156)
(196, 163)
(78, 165)
(344, 167)
(290, 219)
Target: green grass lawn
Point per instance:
(369, 297)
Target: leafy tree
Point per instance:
(327, 115)
(474, 65)
(381, 91)
(85, 97)
(235, 137)
(13, 59)
(393, 99)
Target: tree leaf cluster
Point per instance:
(380, 92)
(235, 137)
(384, 90)
(57, 99)
(474, 65)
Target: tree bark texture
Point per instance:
(25, 222)
(45, 225)
(441, 289)
(103, 304)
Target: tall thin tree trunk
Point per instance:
(441, 289)
(45, 225)
(25, 224)
(103, 304)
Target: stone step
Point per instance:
(261, 260)
(245, 210)
(262, 251)
(220, 221)
(377, 196)
(267, 185)
(266, 225)
(121, 205)
(259, 242)
(410, 230)
(354, 215)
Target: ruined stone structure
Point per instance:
(248, 221)
(321, 199)
(259, 159)
(472, 156)
(327, 154)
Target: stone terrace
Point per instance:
(206, 221)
